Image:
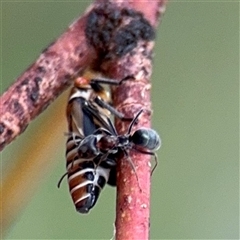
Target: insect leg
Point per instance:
(148, 153)
(110, 81)
(132, 165)
(61, 179)
(111, 109)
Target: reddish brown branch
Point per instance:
(44, 80)
(133, 198)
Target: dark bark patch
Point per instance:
(114, 32)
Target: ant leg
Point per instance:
(133, 167)
(149, 153)
(156, 163)
(65, 174)
(102, 159)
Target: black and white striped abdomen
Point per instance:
(86, 179)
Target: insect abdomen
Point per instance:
(85, 183)
(146, 138)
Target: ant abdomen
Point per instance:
(146, 138)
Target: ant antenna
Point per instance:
(134, 121)
(112, 126)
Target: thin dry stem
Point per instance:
(133, 202)
(44, 80)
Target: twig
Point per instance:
(133, 203)
(44, 80)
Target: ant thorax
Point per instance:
(123, 141)
(108, 143)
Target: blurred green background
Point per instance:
(195, 189)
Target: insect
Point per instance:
(143, 140)
(88, 109)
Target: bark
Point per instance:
(44, 80)
(133, 188)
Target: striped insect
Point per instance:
(88, 109)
